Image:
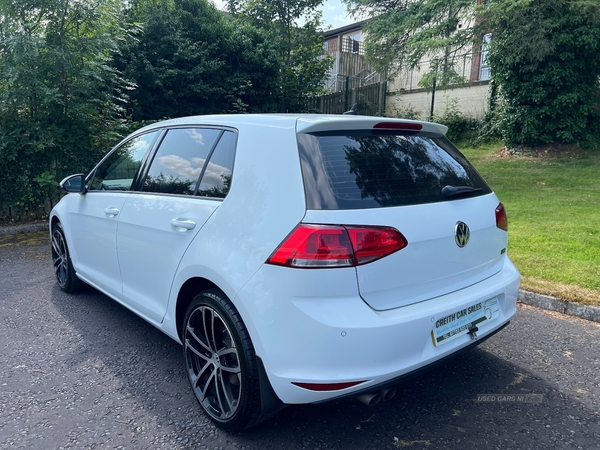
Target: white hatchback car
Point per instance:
(297, 258)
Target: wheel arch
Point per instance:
(270, 403)
(53, 221)
(186, 294)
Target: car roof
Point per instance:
(304, 123)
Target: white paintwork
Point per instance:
(313, 327)
(150, 246)
(306, 325)
(90, 228)
(432, 264)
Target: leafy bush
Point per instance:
(60, 100)
(461, 127)
(408, 112)
(545, 57)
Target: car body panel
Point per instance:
(432, 264)
(246, 228)
(150, 246)
(91, 230)
(308, 329)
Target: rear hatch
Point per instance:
(405, 175)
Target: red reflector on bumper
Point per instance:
(328, 386)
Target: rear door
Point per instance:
(418, 183)
(186, 182)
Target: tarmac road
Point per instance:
(80, 371)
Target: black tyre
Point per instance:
(220, 362)
(61, 261)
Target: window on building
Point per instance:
(484, 68)
(355, 42)
(351, 43)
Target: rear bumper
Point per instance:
(311, 326)
(415, 373)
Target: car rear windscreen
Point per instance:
(372, 169)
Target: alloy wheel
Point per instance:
(60, 258)
(213, 363)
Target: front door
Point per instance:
(95, 215)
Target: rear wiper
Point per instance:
(453, 191)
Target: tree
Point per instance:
(404, 33)
(189, 58)
(60, 99)
(304, 64)
(545, 59)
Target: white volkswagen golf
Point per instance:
(296, 258)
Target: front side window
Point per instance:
(118, 171)
(179, 161)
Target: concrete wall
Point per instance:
(472, 100)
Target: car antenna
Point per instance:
(353, 111)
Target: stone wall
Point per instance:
(472, 100)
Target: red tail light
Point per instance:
(501, 219)
(374, 243)
(319, 246)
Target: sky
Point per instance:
(334, 13)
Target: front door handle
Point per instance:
(111, 212)
(183, 224)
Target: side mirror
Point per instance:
(74, 183)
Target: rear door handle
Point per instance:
(111, 212)
(183, 224)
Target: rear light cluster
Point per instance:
(501, 219)
(320, 246)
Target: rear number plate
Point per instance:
(460, 322)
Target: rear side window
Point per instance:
(179, 160)
(216, 178)
(372, 170)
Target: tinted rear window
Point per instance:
(367, 170)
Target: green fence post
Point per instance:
(384, 98)
(346, 106)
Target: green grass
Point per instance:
(553, 206)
